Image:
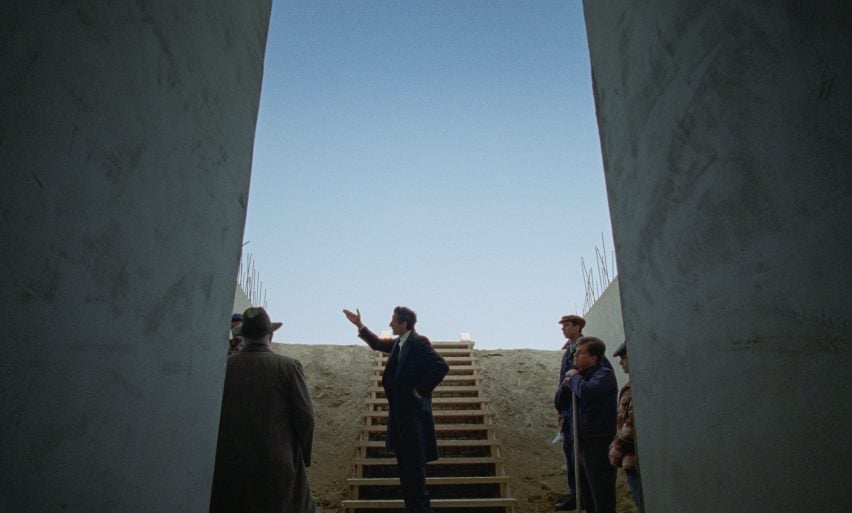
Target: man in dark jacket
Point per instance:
(596, 389)
(413, 371)
(572, 330)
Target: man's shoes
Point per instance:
(569, 503)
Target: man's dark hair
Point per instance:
(594, 346)
(406, 315)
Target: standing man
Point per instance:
(413, 371)
(265, 430)
(596, 389)
(622, 450)
(572, 330)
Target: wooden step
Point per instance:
(441, 443)
(453, 351)
(439, 413)
(432, 481)
(435, 503)
(447, 389)
(439, 400)
(438, 346)
(458, 360)
(466, 460)
(381, 428)
(455, 378)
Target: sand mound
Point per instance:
(519, 384)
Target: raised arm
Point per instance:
(365, 334)
(354, 318)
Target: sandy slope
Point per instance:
(519, 383)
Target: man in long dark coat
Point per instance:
(265, 430)
(413, 371)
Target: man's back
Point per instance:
(265, 435)
(266, 395)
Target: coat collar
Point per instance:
(256, 348)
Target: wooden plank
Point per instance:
(448, 389)
(433, 481)
(381, 428)
(454, 351)
(452, 345)
(440, 461)
(438, 400)
(454, 371)
(462, 360)
(474, 376)
(488, 442)
(435, 503)
(439, 413)
(456, 374)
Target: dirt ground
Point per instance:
(519, 383)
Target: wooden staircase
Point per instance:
(468, 477)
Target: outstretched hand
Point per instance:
(354, 318)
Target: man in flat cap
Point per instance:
(572, 330)
(265, 430)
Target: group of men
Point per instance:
(596, 422)
(267, 419)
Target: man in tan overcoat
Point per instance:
(265, 430)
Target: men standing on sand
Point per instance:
(572, 330)
(595, 387)
(412, 372)
(622, 450)
(265, 430)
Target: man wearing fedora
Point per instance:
(265, 430)
(413, 371)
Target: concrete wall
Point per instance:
(126, 133)
(726, 132)
(603, 320)
(241, 301)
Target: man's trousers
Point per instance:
(412, 477)
(568, 448)
(597, 476)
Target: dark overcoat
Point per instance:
(265, 436)
(411, 428)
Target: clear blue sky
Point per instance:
(440, 155)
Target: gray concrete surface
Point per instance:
(126, 132)
(726, 132)
(241, 301)
(603, 320)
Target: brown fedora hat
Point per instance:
(256, 323)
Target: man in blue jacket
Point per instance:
(596, 389)
(413, 371)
